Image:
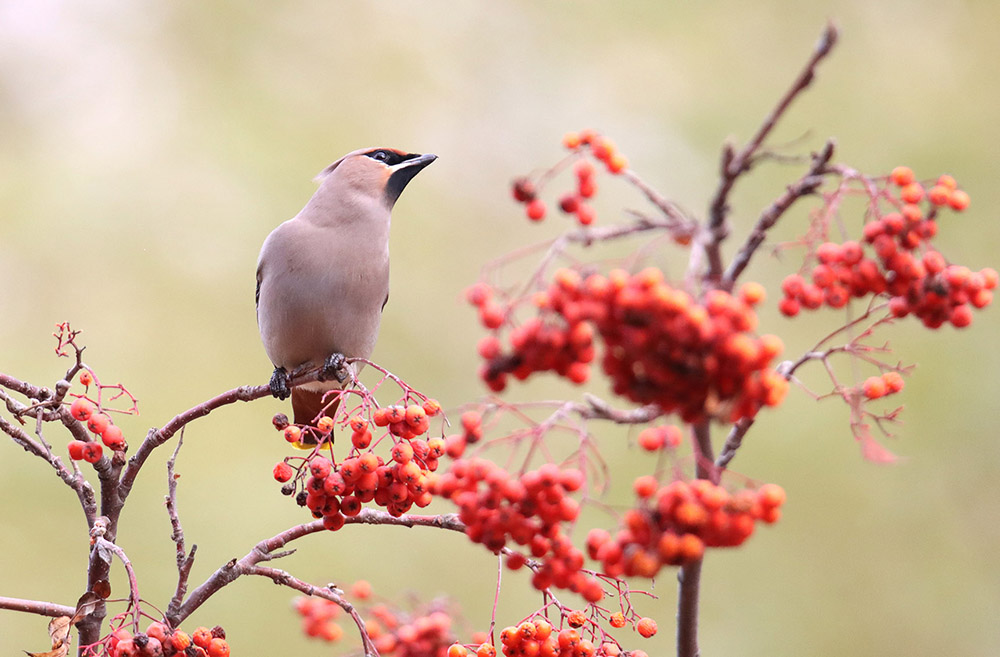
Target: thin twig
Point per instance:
(185, 559)
(736, 163)
(804, 186)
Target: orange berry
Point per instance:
(902, 176)
(939, 195)
(86, 378)
(571, 140)
(293, 433)
(457, 650)
(325, 424)
(947, 181)
(180, 640)
(361, 589)
(771, 495)
(893, 381)
(617, 163)
(646, 627)
(617, 619)
(202, 637)
(431, 407)
(912, 193)
(220, 647)
(576, 619)
(959, 200)
(690, 547)
(645, 486)
(486, 650)
(874, 387)
(652, 438)
(752, 293)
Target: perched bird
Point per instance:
(323, 275)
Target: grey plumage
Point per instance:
(323, 276)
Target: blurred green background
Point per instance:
(149, 147)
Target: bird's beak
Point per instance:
(403, 173)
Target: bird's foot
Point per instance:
(335, 367)
(279, 383)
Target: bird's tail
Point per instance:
(307, 409)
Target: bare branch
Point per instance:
(736, 163)
(36, 607)
(265, 551)
(804, 186)
(185, 560)
(284, 578)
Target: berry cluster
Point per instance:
(917, 278)
(698, 358)
(336, 490)
(529, 510)
(395, 633)
(673, 524)
(160, 641)
(880, 386)
(574, 202)
(98, 422)
(537, 636)
(319, 616)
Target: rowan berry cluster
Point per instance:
(537, 636)
(673, 524)
(529, 510)
(880, 386)
(319, 616)
(697, 358)
(98, 422)
(575, 202)
(424, 633)
(902, 264)
(160, 641)
(334, 490)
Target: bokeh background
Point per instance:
(149, 147)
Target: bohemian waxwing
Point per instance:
(323, 275)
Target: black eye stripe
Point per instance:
(391, 158)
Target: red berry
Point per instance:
(81, 409)
(92, 452)
(112, 437)
(535, 210)
(218, 648)
(646, 627)
(959, 200)
(282, 472)
(98, 422)
(76, 449)
(292, 434)
(874, 387)
(902, 176)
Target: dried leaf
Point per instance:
(58, 633)
(102, 588)
(59, 630)
(85, 606)
(61, 651)
(104, 553)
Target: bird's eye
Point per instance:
(381, 156)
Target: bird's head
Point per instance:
(378, 172)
